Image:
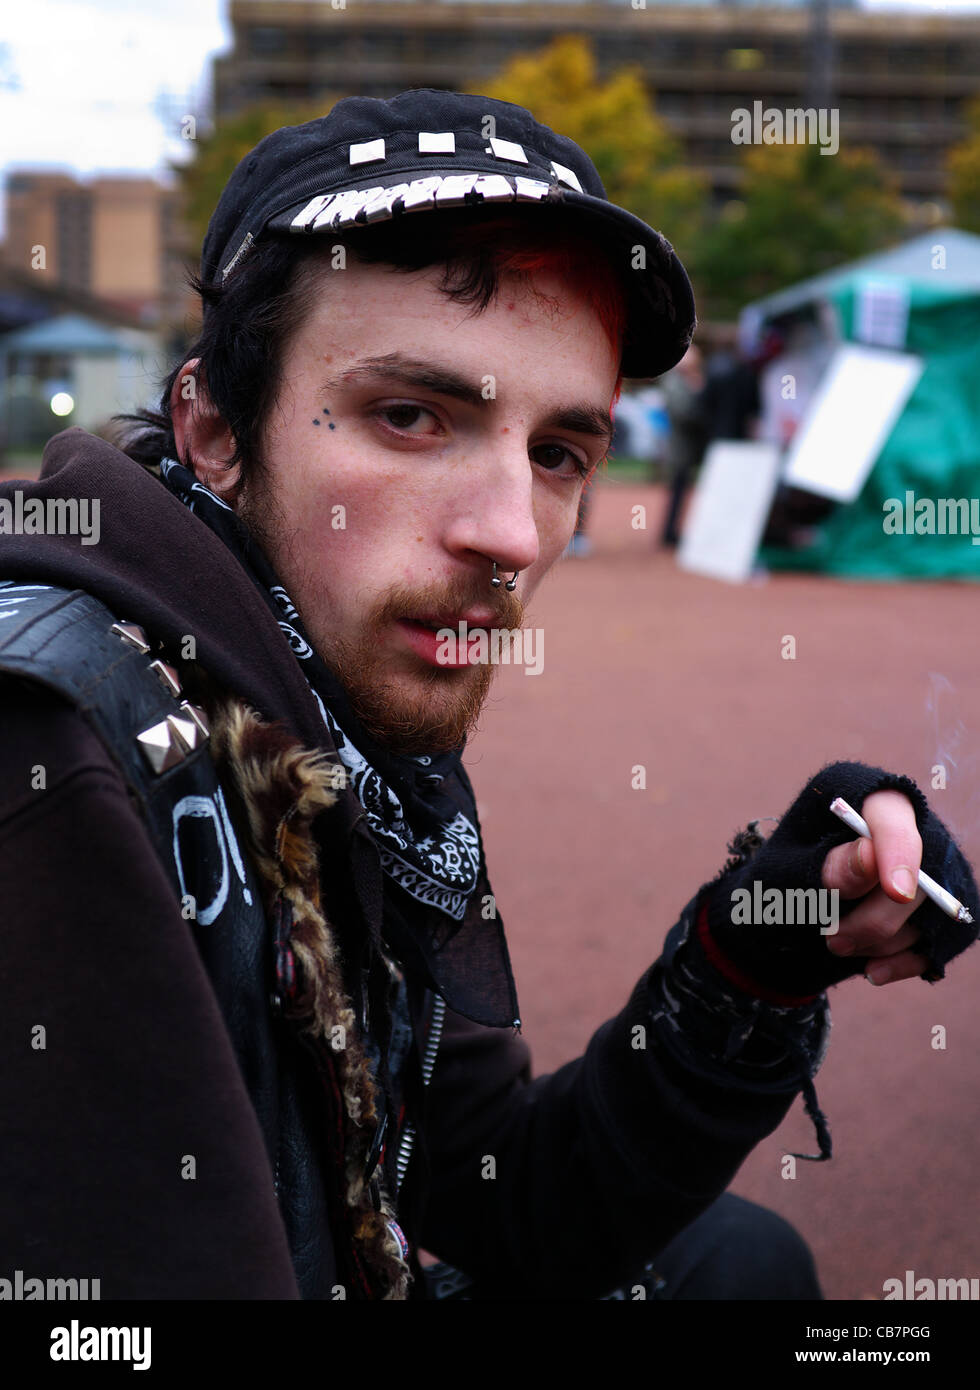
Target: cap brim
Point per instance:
(660, 302)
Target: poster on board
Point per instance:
(855, 408)
(729, 510)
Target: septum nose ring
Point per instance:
(511, 584)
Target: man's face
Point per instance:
(413, 444)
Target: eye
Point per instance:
(574, 466)
(403, 414)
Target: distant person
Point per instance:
(683, 390)
(731, 398)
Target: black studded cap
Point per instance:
(371, 160)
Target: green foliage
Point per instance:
(963, 163)
(799, 213)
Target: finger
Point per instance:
(897, 844)
(875, 925)
(905, 939)
(906, 966)
(851, 868)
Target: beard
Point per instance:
(432, 710)
(428, 710)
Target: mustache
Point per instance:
(452, 600)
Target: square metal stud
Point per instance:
(567, 176)
(506, 149)
(367, 152)
(441, 142)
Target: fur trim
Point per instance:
(284, 787)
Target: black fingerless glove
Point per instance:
(794, 959)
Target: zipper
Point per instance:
(428, 1062)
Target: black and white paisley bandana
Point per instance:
(420, 810)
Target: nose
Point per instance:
(493, 512)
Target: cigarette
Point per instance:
(940, 896)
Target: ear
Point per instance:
(204, 440)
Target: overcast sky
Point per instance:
(100, 85)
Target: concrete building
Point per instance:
(111, 237)
(899, 80)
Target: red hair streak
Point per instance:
(517, 247)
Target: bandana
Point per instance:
(439, 911)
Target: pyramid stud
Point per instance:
(167, 676)
(160, 747)
(195, 713)
(132, 634)
(186, 732)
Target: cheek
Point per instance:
(338, 493)
(556, 512)
(352, 530)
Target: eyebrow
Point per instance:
(580, 418)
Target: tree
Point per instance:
(799, 213)
(963, 163)
(636, 155)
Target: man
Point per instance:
(690, 431)
(259, 1010)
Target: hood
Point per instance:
(155, 563)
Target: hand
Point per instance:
(878, 927)
(811, 848)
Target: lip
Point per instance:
(426, 644)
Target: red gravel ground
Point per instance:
(644, 664)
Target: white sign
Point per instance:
(882, 313)
(853, 411)
(730, 508)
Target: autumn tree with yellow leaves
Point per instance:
(615, 122)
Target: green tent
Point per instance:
(933, 451)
